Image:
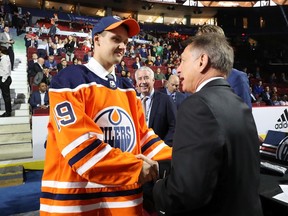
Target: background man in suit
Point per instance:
(7, 41)
(215, 160)
(37, 67)
(172, 89)
(160, 111)
(238, 80)
(40, 99)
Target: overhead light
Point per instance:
(228, 4)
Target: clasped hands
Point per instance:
(149, 170)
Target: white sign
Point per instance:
(270, 118)
(39, 135)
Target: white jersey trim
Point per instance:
(156, 150)
(73, 185)
(143, 140)
(85, 208)
(94, 160)
(78, 142)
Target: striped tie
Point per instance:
(173, 97)
(144, 100)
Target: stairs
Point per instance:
(15, 131)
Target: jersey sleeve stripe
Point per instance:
(73, 185)
(150, 143)
(147, 135)
(85, 208)
(94, 160)
(156, 150)
(78, 141)
(89, 196)
(84, 152)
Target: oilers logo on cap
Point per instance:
(118, 128)
(117, 17)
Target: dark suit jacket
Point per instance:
(180, 97)
(35, 99)
(163, 117)
(36, 68)
(135, 66)
(215, 159)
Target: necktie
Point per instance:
(173, 97)
(111, 81)
(144, 100)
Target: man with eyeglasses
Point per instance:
(172, 89)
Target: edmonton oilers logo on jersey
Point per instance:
(118, 128)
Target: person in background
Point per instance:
(43, 48)
(121, 67)
(70, 48)
(5, 81)
(87, 56)
(159, 108)
(159, 75)
(168, 73)
(62, 64)
(37, 67)
(51, 63)
(96, 130)
(215, 160)
(30, 64)
(7, 41)
(137, 64)
(258, 88)
(266, 96)
(172, 89)
(238, 80)
(43, 76)
(40, 99)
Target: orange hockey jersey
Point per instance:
(96, 128)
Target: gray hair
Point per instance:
(216, 46)
(144, 68)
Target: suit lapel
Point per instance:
(155, 104)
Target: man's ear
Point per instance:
(203, 62)
(96, 39)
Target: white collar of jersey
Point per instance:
(94, 66)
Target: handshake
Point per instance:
(149, 170)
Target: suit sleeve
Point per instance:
(197, 154)
(33, 102)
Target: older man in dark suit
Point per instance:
(160, 111)
(215, 160)
(172, 89)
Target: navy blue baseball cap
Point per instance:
(112, 22)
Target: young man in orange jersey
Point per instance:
(96, 129)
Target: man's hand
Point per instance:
(149, 170)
